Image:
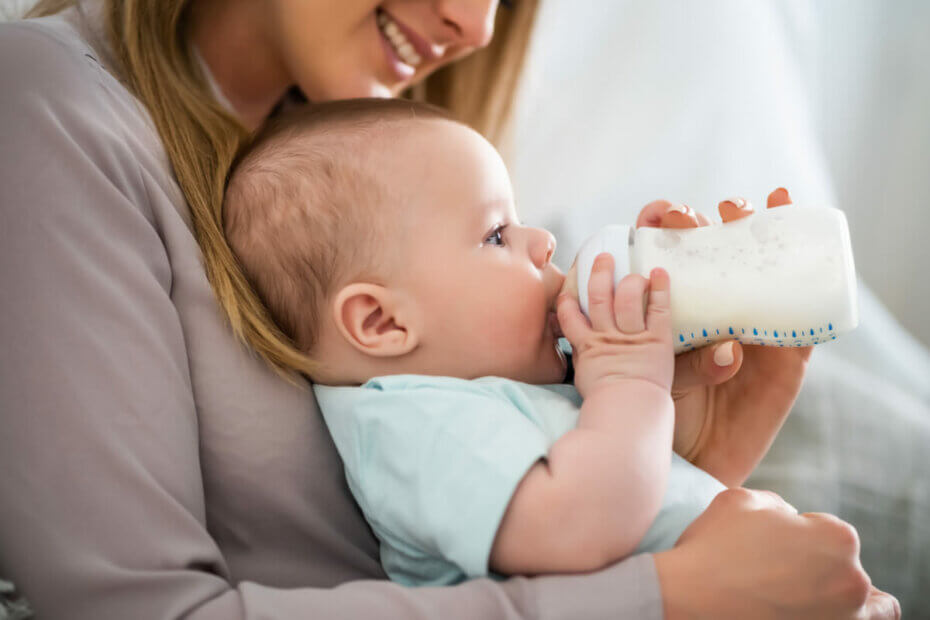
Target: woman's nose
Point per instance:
(471, 20)
(542, 247)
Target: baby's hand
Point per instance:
(622, 341)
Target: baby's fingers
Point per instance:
(659, 307)
(601, 293)
(629, 298)
(572, 322)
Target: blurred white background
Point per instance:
(626, 101)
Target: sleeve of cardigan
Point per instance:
(101, 496)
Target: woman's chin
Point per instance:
(353, 89)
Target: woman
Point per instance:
(154, 467)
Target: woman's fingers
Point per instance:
(666, 214)
(734, 209)
(629, 302)
(778, 198)
(699, 368)
(805, 352)
(651, 214)
(680, 216)
(600, 293)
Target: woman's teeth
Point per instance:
(398, 41)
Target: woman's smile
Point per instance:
(405, 49)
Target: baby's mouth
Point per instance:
(554, 326)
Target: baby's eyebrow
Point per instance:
(502, 205)
(498, 209)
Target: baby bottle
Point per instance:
(780, 277)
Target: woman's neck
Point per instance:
(230, 37)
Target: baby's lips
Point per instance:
(570, 285)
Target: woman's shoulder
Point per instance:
(61, 65)
(61, 102)
(48, 55)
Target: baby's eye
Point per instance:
(496, 236)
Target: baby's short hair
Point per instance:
(305, 205)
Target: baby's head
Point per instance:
(383, 239)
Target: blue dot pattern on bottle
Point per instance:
(778, 337)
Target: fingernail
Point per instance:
(684, 209)
(778, 198)
(734, 208)
(723, 355)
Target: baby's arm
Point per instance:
(601, 486)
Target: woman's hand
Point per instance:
(726, 416)
(751, 555)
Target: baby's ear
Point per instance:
(372, 319)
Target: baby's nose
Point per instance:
(542, 247)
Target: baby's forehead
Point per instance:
(408, 170)
(386, 149)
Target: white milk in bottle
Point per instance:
(779, 277)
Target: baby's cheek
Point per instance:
(508, 331)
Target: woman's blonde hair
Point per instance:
(150, 43)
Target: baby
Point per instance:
(384, 240)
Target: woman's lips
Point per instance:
(402, 71)
(426, 50)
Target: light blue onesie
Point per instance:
(434, 461)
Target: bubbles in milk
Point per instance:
(760, 230)
(668, 240)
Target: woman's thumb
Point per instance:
(707, 366)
